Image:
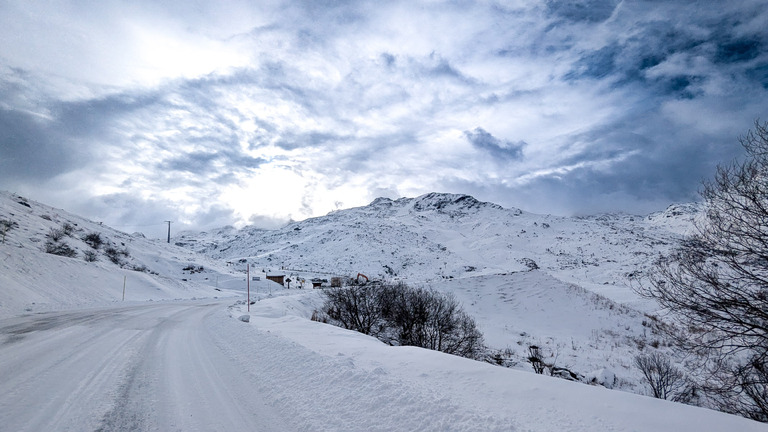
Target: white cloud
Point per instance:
(282, 110)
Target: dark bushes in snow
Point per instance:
(5, 226)
(55, 234)
(355, 308)
(402, 315)
(59, 248)
(55, 245)
(93, 240)
(116, 255)
(90, 256)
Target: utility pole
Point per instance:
(169, 230)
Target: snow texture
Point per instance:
(176, 354)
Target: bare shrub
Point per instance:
(429, 319)
(534, 358)
(661, 375)
(55, 234)
(90, 256)
(59, 248)
(401, 315)
(116, 255)
(502, 357)
(67, 228)
(355, 308)
(93, 240)
(5, 226)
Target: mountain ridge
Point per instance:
(447, 236)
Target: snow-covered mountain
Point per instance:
(446, 236)
(562, 284)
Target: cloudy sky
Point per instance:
(210, 113)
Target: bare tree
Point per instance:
(355, 308)
(716, 283)
(429, 319)
(660, 374)
(534, 358)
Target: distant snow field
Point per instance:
(562, 284)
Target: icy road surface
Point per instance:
(142, 367)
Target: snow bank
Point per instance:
(327, 378)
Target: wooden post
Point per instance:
(248, 279)
(124, 279)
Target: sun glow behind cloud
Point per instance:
(261, 113)
(157, 55)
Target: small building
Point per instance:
(335, 282)
(317, 283)
(277, 278)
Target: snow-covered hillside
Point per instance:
(527, 279)
(562, 284)
(340, 380)
(445, 236)
(33, 280)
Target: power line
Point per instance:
(135, 226)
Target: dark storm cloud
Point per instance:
(738, 50)
(591, 11)
(34, 148)
(209, 163)
(500, 149)
(717, 36)
(94, 117)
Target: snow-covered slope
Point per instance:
(445, 236)
(333, 379)
(32, 280)
(562, 284)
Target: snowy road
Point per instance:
(144, 367)
(192, 366)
